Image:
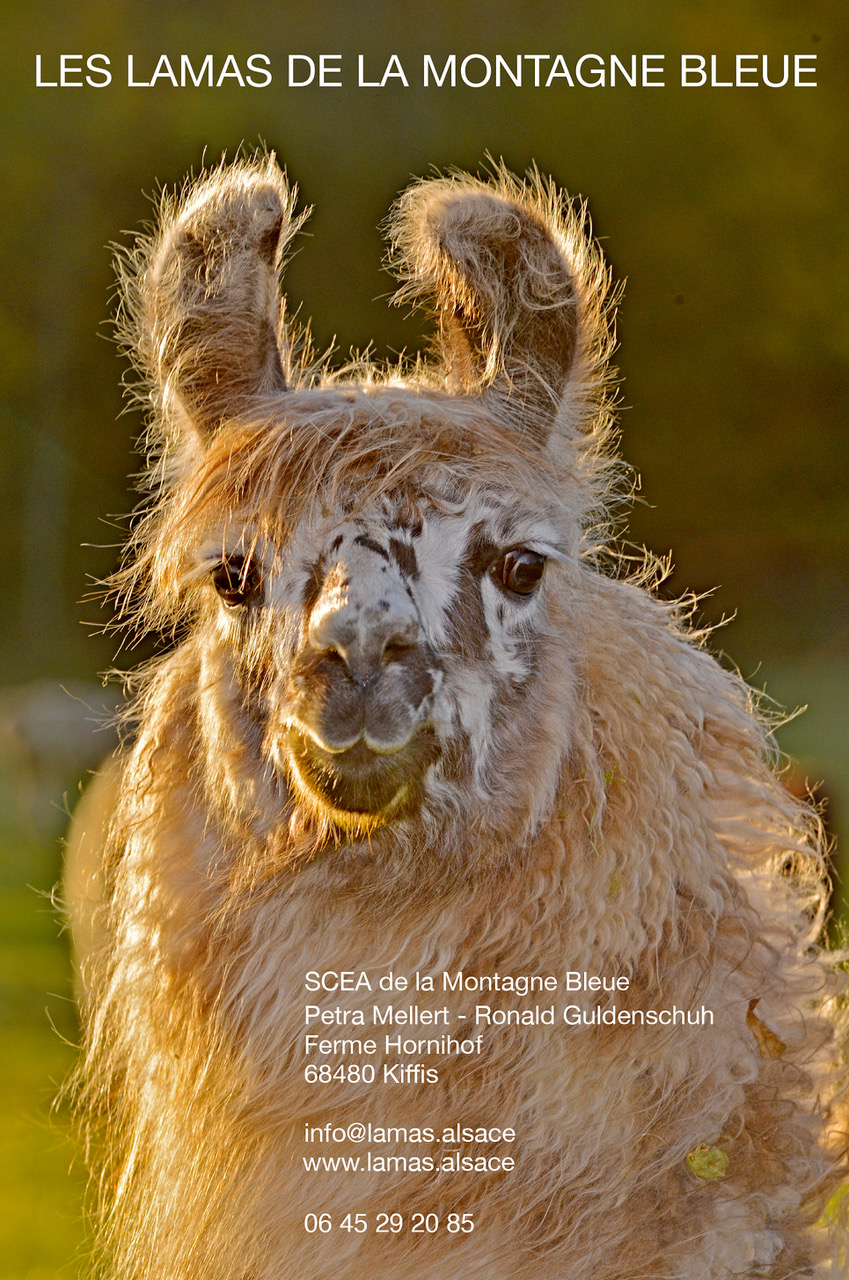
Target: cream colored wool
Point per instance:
(586, 789)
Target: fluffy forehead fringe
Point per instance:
(335, 450)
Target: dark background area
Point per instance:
(722, 208)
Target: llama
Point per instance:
(442, 848)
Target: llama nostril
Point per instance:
(341, 664)
(396, 649)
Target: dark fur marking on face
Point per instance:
(363, 540)
(480, 551)
(468, 631)
(336, 543)
(405, 557)
(313, 584)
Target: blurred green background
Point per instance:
(723, 207)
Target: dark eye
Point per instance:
(519, 571)
(237, 580)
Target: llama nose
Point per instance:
(366, 635)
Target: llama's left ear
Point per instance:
(201, 304)
(504, 289)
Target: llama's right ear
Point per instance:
(202, 299)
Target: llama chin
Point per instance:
(446, 878)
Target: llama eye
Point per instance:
(519, 571)
(237, 580)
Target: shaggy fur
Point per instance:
(377, 746)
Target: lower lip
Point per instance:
(304, 761)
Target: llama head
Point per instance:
(377, 570)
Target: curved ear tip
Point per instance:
(447, 203)
(265, 209)
(249, 202)
(232, 197)
(451, 215)
(269, 240)
(459, 205)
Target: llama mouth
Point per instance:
(360, 783)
